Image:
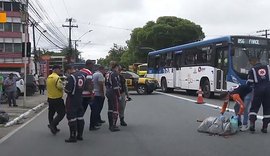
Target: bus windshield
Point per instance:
(241, 57)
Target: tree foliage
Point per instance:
(167, 31)
(114, 54)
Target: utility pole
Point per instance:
(70, 26)
(265, 32)
(25, 49)
(33, 24)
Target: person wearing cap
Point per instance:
(74, 109)
(10, 89)
(237, 94)
(259, 78)
(88, 94)
(55, 99)
(112, 84)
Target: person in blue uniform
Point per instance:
(74, 107)
(259, 78)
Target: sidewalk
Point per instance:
(31, 102)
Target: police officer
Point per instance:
(74, 108)
(124, 98)
(113, 94)
(259, 77)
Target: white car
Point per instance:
(19, 83)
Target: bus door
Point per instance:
(157, 68)
(222, 68)
(177, 75)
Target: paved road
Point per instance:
(158, 125)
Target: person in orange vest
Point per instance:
(237, 94)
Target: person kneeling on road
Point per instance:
(237, 93)
(74, 108)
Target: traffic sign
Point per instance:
(3, 17)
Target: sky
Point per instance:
(112, 21)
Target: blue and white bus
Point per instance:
(215, 65)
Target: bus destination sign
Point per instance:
(251, 41)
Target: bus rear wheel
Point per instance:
(206, 89)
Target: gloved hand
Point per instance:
(128, 99)
(222, 118)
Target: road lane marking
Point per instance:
(206, 104)
(17, 129)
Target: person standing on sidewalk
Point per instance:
(55, 100)
(41, 84)
(1, 85)
(88, 92)
(99, 85)
(74, 108)
(10, 89)
(124, 98)
(112, 84)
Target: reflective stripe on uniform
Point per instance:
(250, 80)
(255, 75)
(266, 116)
(89, 77)
(268, 67)
(115, 112)
(74, 87)
(252, 113)
(72, 120)
(116, 88)
(80, 118)
(110, 111)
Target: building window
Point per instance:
(1, 27)
(16, 27)
(17, 47)
(8, 48)
(7, 6)
(15, 6)
(8, 27)
(1, 6)
(1, 47)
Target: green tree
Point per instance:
(114, 54)
(167, 31)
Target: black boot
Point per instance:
(112, 127)
(264, 127)
(252, 127)
(73, 131)
(122, 122)
(80, 126)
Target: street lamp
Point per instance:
(44, 31)
(84, 34)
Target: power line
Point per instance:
(265, 31)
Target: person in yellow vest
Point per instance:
(55, 99)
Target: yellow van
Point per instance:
(142, 70)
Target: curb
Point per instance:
(24, 115)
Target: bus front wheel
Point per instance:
(206, 89)
(164, 85)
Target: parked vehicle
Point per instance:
(31, 85)
(19, 83)
(142, 85)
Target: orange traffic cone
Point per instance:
(200, 96)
